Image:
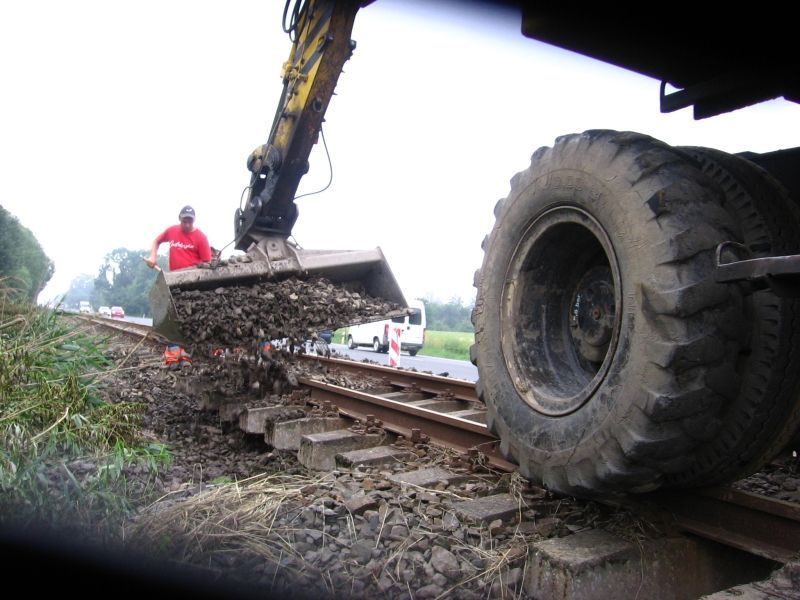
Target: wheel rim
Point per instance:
(560, 319)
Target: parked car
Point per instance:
(104, 311)
(117, 312)
(85, 307)
(326, 335)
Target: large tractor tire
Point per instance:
(766, 415)
(607, 353)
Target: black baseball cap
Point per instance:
(186, 211)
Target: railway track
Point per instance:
(763, 526)
(448, 413)
(123, 326)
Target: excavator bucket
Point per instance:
(275, 259)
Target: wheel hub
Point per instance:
(561, 310)
(592, 314)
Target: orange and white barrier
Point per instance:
(394, 346)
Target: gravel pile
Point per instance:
(242, 377)
(780, 479)
(358, 535)
(294, 308)
(203, 448)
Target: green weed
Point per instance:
(447, 344)
(68, 459)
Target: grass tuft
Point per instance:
(64, 451)
(448, 344)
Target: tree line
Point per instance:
(24, 267)
(452, 315)
(123, 279)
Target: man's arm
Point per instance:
(153, 260)
(203, 248)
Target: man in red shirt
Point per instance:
(188, 246)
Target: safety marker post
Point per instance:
(394, 346)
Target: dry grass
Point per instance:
(240, 517)
(256, 521)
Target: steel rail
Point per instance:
(759, 525)
(399, 417)
(124, 326)
(763, 526)
(433, 384)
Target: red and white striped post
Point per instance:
(394, 346)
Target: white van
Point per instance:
(412, 334)
(85, 307)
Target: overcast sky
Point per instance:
(113, 115)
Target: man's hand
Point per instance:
(152, 263)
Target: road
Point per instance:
(459, 369)
(140, 320)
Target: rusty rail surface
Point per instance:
(399, 417)
(123, 326)
(432, 384)
(757, 524)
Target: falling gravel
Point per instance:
(294, 308)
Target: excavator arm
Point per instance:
(320, 30)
